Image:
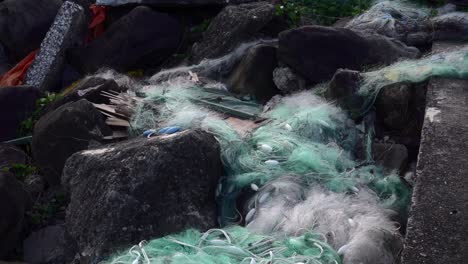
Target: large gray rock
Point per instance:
(14, 201)
(233, 25)
(393, 105)
(23, 24)
(317, 52)
(64, 131)
(140, 39)
(141, 189)
(451, 26)
(254, 74)
(17, 103)
(68, 30)
(343, 89)
(172, 3)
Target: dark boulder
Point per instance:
(172, 3)
(24, 23)
(48, 245)
(254, 74)
(90, 89)
(64, 131)
(9, 155)
(393, 105)
(35, 185)
(14, 201)
(130, 43)
(16, 104)
(343, 89)
(451, 26)
(141, 189)
(233, 25)
(392, 19)
(316, 52)
(287, 81)
(393, 157)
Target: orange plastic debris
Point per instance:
(96, 27)
(16, 75)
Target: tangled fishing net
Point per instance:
(233, 244)
(450, 64)
(317, 195)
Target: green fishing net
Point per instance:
(449, 64)
(233, 244)
(304, 136)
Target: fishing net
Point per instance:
(304, 136)
(394, 19)
(287, 206)
(233, 244)
(450, 64)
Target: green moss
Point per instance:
(21, 171)
(27, 125)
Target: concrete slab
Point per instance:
(67, 31)
(438, 225)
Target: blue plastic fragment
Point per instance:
(149, 132)
(172, 130)
(169, 130)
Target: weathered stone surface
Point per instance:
(140, 189)
(90, 89)
(438, 225)
(287, 81)
(233, 25)
(451, 26)
(23, 24)
(392, 19)
(35, 185)
(14, 201)
(317, 52)
(393, 157)
(64, 131)
(129, 43)
(47, 245)
(16, 104)
(343, 89)
(393, 105)
(67, 31)
(172, 3)
(254, 74)
(9, 155)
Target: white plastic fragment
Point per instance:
(254, 187)
(265, 148)
(250, 215)
(343, 249)
(272, 162)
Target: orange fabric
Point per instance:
(96, 27)
(16, 75)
